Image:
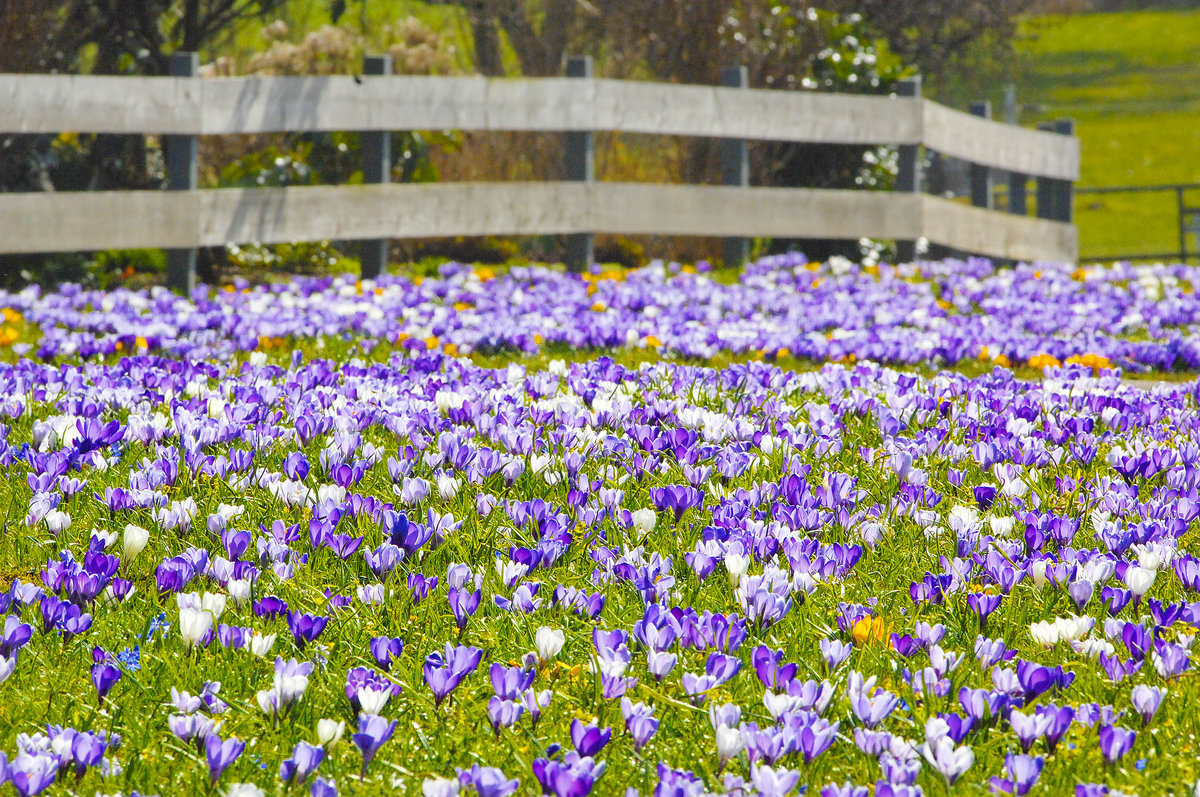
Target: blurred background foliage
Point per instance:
(828, 45)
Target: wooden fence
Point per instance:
(183, 107)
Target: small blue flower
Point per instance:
(159, 623)
(131, 659)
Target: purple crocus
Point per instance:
(34, 773)
(220, 755)
(15, 636)
(104, 677)
(322, 788)
(574, 776)
(1146, 700)
(510, 682)
(420, 586)
(1021, 771)
(487, 781)
(304, 761)
(589, 739)
(373, 732)
(504, 713)
(445, 671)
(1115, 742)
(385, 650)
(305, 628)
(464, 604)
(983, 605)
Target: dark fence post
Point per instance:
(1065, 188)
(1018, 203)
(376, 148)
(1183, 220)
(581, 167)
(1045, 186)
(981, 176)
(908, 177)
(182, 175)
(1056, 198)
(735, 167)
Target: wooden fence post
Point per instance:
(376, 148)
(1018, 202)
(981, 176)
(735, 167)
(182, 175)
(581, 167)
(1065, 188)
(908, 177)
(1056, 198)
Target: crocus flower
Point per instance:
(1022, 773)
(463, 604)
(772, 782)
(445, 671)
(949, 760)
(385, 649)
(304, 761)
(220, 754)
(305, 628)
(589, 739)
(1146, 700)
(104, 677)
(373, 732)
(548, 641)
(1115, 742)
(487, 781)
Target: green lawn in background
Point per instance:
(1132, 83)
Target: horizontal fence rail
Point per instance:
(224, 106)
(185, 107)
(182, 219)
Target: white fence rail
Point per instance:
(185, 107)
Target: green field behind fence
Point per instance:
(1132, 83)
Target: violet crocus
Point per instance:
(834, 652)
(1115, 742)
(104, 677)
(589, 739)
(509, 682)
(873, 709)
(487, 781)
(305, 628)
(221, 754)
(385, 650)
(774, 782)
(373, 732)
(420, 586)
(503, 713)
(1146, 700)
(464, 604)
(568, 778)
(1021, 771)
(534, 702)
(444, 671)
(304, 761)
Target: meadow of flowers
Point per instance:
(294, 540)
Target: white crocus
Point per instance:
(729, 744)
(644, 520)
(329, 732)
(1139, 580)
(260, 644)
(194, 624)
(549, 641)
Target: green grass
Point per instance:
(1132, 83)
